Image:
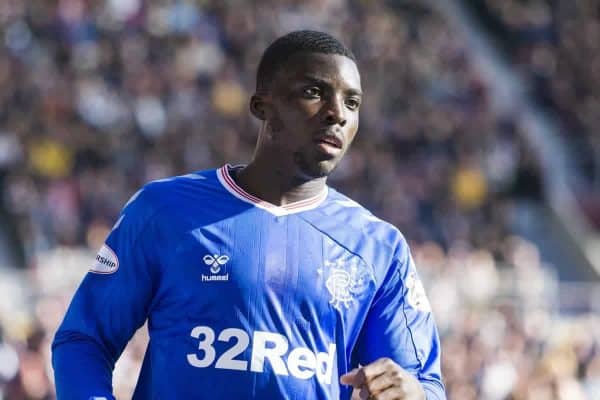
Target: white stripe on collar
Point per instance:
(291, 208)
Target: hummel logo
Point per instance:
(215, 262)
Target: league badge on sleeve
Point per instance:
(106, 261)
(416, 293)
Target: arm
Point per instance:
(111, 303)
(399, 342)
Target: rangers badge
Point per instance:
(345, 281)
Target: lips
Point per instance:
(330, 139)
(329, 145)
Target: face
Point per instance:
(311, 112)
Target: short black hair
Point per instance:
(298, 41)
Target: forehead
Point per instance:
(338, 70)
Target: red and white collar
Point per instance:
(290, 208)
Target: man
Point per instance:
(259, 281)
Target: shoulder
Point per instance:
(362, 220)
(357, 228)
(156, 194)
(165, 194)
(196, 180)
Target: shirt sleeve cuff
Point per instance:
(434, 390)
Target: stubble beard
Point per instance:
(313, 169)
(307, 165)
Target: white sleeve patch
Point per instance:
(416, 293)
(106, 261)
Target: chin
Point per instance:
(313, 168)
(320, 169)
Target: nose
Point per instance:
(335, 112)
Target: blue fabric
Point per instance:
(244, 303)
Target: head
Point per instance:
(308, 95)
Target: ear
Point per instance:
(258, 106)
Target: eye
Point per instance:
(311, 92)
(353, 103)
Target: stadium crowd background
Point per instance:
(98, 97)
(554, 45)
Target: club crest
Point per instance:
(345, 280)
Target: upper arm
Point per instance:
(114, 298)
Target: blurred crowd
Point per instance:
(99, 96)
(555, 46)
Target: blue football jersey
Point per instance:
(245, 299)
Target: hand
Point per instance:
(384, 380)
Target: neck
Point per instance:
(277, 185)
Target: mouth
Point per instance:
(329, 145)
(330, 141)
